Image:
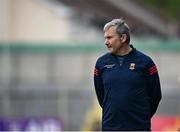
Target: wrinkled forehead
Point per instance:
(111, 31)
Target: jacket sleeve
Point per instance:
(98, 84)
(153, 84)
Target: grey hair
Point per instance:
(121, 27)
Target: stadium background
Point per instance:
(48, 49)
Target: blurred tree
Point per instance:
(169, 8)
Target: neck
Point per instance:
(125, 50)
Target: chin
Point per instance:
(110, 51)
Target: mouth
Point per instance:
(109, 47)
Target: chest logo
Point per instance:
(109, 66)
(132, 66)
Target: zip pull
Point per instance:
(120, 60)
(120, 63)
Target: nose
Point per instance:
(106, 42)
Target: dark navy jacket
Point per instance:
(129, 94)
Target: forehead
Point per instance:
(110, 31)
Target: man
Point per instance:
(126, 82)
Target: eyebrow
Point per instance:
(111, 35)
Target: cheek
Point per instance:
(116, 43)
(113, 42)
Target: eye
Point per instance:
(108, 37)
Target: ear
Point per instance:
(123, 38)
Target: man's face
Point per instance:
(113, 41)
